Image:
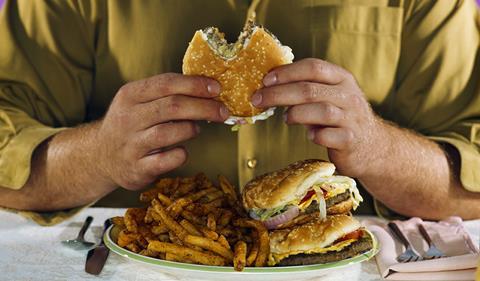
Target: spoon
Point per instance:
(79, 243)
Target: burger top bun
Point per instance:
(274, 189)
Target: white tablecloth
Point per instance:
(32, 252)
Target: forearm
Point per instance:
(416, 177)
(64, 174)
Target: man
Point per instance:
(64, 64)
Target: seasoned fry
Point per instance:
(164, 199)
(190, 227)
(193, 218)
(133, 216)
(212, 196)
(222, 240)
(225, 218)
(211, 222)
(217, 203)
(174, 239)
(209, 244)
(184, 188)
(252, 255)
(149, 195)
(125, 237)
(177, 206)
(185, 253)
(264, 241)
(208, 233)
(196, 196)
(118, 221)
(149, 253)
(133, 247)
(169, 221)
(165, 237)
(228, 188)
(239, 256)
(159, 229)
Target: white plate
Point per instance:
(204, 272)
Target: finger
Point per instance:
(299, 93)
(178, 107)
(310, 69)
(163, 162)
(166, 134)
(322, 113)
(335, 138)
(166, 84)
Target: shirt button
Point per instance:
(252, 163)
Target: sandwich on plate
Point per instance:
(304, 187)
(335, 238)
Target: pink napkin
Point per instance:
(449, 235)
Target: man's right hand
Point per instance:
(147, 116)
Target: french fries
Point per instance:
(185, 253)
(240, 256)
(192, 220)
(209, 244)
(264, 241)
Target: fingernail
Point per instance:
(213, 88)
(224, 112)
(310, 134)
(256, 99)
(270, 79)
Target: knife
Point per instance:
(97, 256)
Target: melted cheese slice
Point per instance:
(273, 259)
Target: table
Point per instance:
(32, 252)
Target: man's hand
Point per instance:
(145, 118)
(328, 100)
(405, 171)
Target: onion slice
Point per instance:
(273, 222)
(322, 205)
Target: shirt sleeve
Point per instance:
(46, 63)
(438, 85)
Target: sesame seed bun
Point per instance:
(238, 67)
(277, 188)
(311, 237)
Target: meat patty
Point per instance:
(329, 202)
(354, 249)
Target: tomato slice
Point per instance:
(357, 234)
(309, 195)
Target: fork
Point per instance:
(433, 252)
(409, 255)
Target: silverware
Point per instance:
(97, 257)
(79, 243)
(433, 252)
(409, 255)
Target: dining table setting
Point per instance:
(66, 251)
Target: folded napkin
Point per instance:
(449, 235)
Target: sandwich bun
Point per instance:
(274, 189)
(318, 241)
(238, 67)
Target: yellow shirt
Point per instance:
(61, 62)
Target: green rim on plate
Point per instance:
(109, 242)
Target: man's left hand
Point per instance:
(327, 99)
